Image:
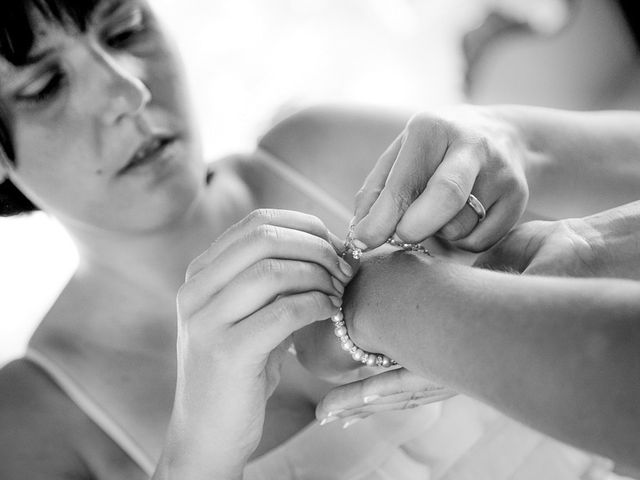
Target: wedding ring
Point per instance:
(477, 207)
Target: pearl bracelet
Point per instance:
(359, 355)
(340, 327)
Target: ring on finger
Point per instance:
(477, 207)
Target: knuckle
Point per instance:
(562, 229)
(521, 186)
(281, 310)
(265, 233)
(516, 186)
(316, 222)
(261, 215)
(402, 200)
(452, 191)
(291, 308)
(320, 304)
(482, 147)
(312, 224)
(298, 306)
(418, 124)
(327, 252)
(424, 123)
(320, 274)
(319, 226)
(269, 269)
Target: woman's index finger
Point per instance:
(376, 180)
(417, 159)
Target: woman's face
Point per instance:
(101, 125)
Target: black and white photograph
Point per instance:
(319, 240)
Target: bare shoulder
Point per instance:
(42, 433)
(34, 430)
(327, 143)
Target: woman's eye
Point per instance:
(42, 89)
(127, 31)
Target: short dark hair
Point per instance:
(17, 27)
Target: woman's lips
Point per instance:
(148, 152)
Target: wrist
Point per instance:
(177, 466)
(184, 457)
(373, 295)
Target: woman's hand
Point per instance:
(421, 184)
(266, 277)
(570, 248)
(393, 390)
(601, 245)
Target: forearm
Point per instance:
(576, 163)
(559, 354)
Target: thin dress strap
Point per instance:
(93, 410)
(297, 179)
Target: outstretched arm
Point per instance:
(559, 354)
(577, 163)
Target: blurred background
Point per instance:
(251, 62)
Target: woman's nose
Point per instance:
(130, 97)
(126, 94)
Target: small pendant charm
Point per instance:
(351, 254)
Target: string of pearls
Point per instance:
(340, 327)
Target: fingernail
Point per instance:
(337, 285)
(337, 302)
(359, 244)
(345, 267)
(326, 420)
(370, 398)
(348, 423)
